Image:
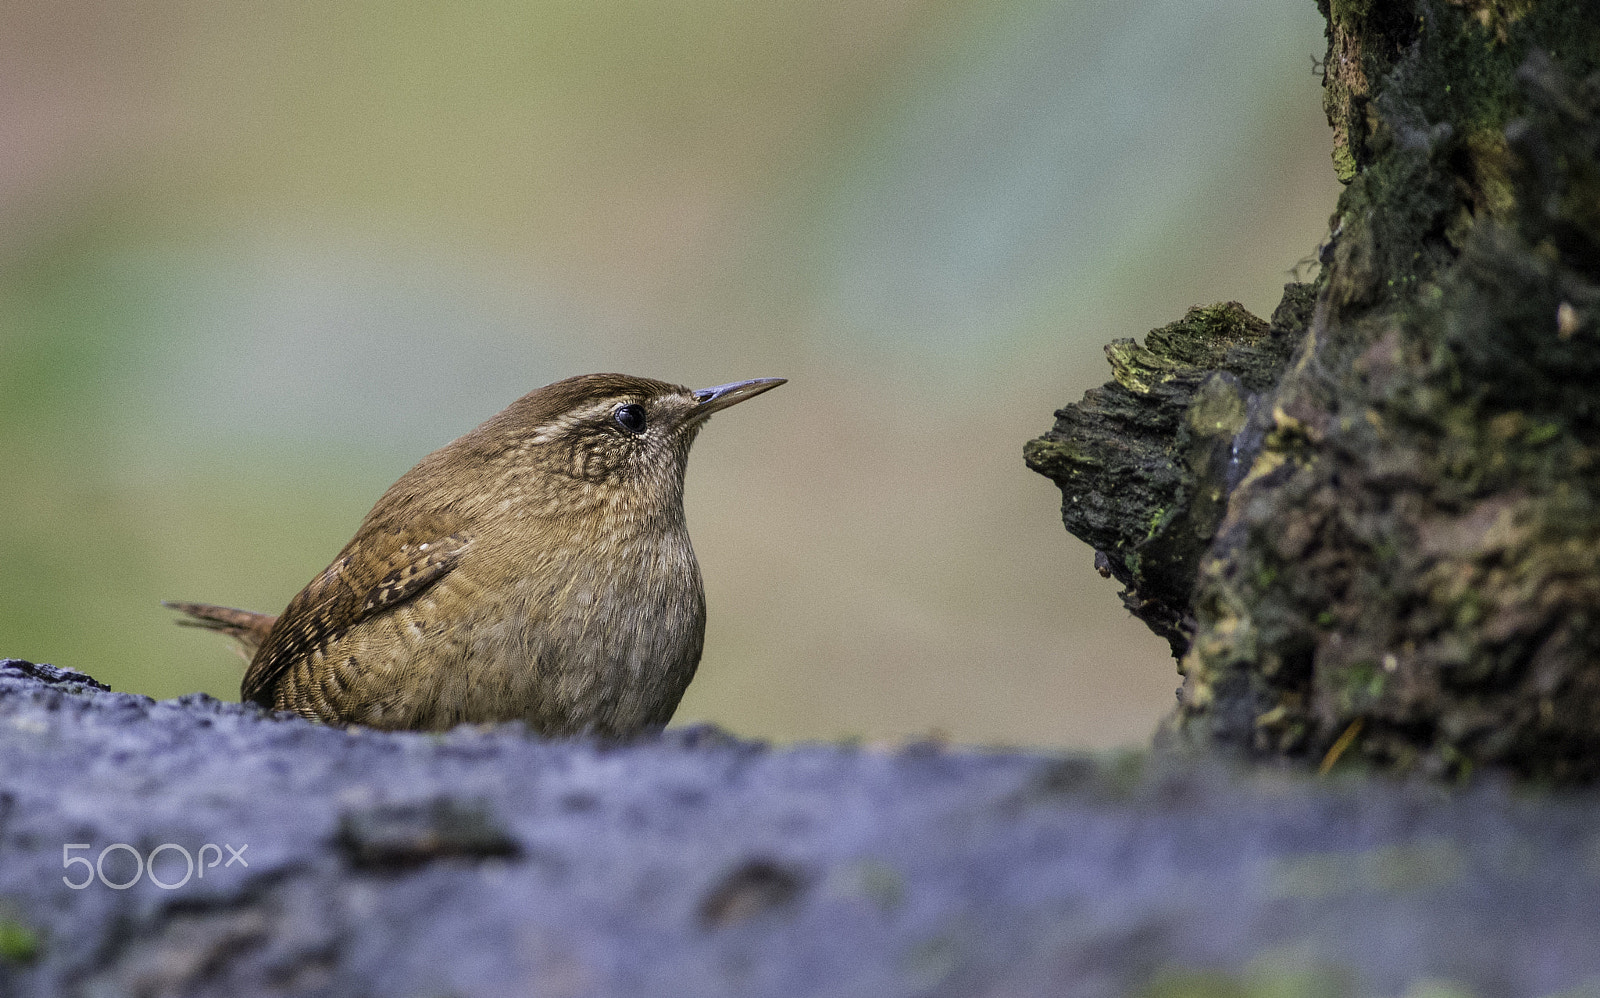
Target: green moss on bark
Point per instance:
(1144, 462)
(1410, 555)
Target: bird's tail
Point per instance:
(243, 626)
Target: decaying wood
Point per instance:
(1391, 514)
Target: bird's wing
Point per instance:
(377, 571)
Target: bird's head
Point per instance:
(603, 437)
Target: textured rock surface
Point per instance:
(489, 862)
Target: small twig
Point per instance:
(1339, 745)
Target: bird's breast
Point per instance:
(600, 637)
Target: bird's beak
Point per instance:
(713, 399)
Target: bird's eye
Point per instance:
(630, 417)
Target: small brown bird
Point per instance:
(538, 568)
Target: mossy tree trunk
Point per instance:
(1371, 530)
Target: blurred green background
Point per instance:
(256, 260)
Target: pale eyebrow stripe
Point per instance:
(546, 432)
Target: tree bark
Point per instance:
(1378, 539)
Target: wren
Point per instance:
(536, 569)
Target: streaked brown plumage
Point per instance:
(538, 568)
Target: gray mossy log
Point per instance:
(483, 861)
(1402, 565)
